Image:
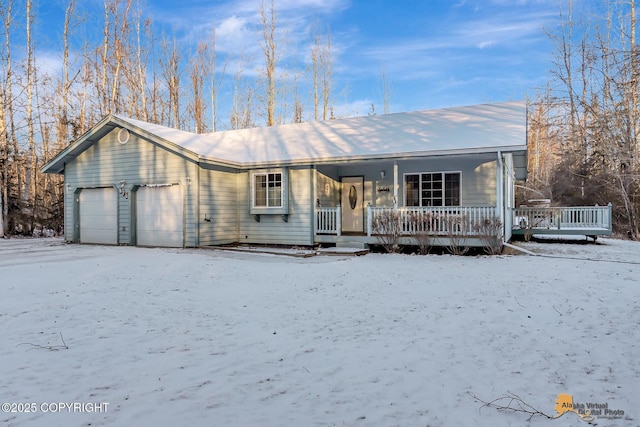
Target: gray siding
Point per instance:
(272, 229)
(478, 176)
(219, 204)
(138, 162)
(327, 190)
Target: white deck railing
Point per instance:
(465, 219)
(436, 220)
(432, 220)
(559, 218)
(328, 221)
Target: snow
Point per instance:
(206, 337)
(477, 128)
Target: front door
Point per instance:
(352, 204)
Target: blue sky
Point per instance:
(435, 53)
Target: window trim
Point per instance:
(283, 208)
(267, 186)
(443, 173)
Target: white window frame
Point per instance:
(271, 178)
(267, 209)
(419, 174)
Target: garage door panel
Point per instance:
(159, 216)
(98, 216)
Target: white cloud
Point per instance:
(49, 62)
(485, 44)
(235, 35)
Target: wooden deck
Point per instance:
(578, 220)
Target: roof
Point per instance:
(459, 130)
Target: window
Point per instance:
(267, 190)
(432, 189)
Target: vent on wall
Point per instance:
(123, 136)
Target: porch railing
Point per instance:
(440, 220)
(328, 221)
(563, 218)
(436, 220)
(433, 220)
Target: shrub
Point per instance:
(386, 226)
(457, 227)
(490, 233)
(420, 230)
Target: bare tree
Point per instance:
(199, 68)
(4, 134)
(386, 92)
(269, 48)
(298, 108)
(142, 54)
(64, 86)
(103, 100)
(544, 151)
(321, 76)
(598, 71)
(326, 71)
(4, 162)
(170, 66)
(31, 169)
(315, 75)
(11, 170)
(214, 81)
(242, 108)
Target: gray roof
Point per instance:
(459, 130)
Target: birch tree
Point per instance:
(170, 66)
(321, 77)
(269, 49)
(241, 116)
(199, 69)
(386, 92)
(9, 141)
(32, 162)
(215, 82)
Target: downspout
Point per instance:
(197, 219)
(395, 185)
(314, 203)
(500, 192)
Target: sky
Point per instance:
(434, 53)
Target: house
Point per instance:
(130, 182)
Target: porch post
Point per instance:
(369, 219)
(395, 185)
(500, 193)
(339, 220)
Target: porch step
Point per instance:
(343, 251)
(353, 245)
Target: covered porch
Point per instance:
(461, 197)
(468, 223)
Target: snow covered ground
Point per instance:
(170, 337)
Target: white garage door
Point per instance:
(98, 216)
(159, 216)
